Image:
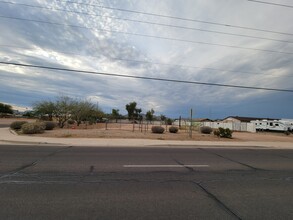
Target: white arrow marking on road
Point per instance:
(164, 166)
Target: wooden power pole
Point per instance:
(190, 130)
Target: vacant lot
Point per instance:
(116, 130)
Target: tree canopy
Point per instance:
(7, 109)
(115, 114)
(64, 108)
(133, 111)
(150, 115)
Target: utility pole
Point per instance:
(190, 131)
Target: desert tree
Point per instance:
(115, 114)
(83, 110)
(133, 111)
(60, 109)
(6, 109)
(64, 108)
(45, 108)
(150, 115)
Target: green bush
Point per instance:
(173, 129)
(16, 125)
(49, 125)
(222, 132)
(33, 128)
(158, 129)
(206, 130)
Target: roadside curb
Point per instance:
(30, 142)
(13, 132)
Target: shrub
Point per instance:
(158, 129)
(173, 129)
(206, 130)
(16, 125)
(33, 128)
(222, 132)
(287, 132)
(70, 121)
(49, 125)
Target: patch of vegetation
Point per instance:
(158, 129)
(70, 121)
(33, 128)
(49, 125)
(223, 132)
(287, 132)
(206, 130)
(66, 135)
(16, 125)
(173, 129)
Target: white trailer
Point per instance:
(271, 125)
(289, 123)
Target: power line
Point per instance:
(148, 22)
(141, 61)
(146, 78)
(145, 35)
(271, 3)
(180, 18)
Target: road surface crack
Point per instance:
(235, 161)
(187, 167)
(16, 171)
(217, 200)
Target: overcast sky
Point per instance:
(95, 36)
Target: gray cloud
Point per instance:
(96, 50)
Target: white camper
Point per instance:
(289, 123)
(271, 125)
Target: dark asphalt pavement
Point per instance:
(58, 182)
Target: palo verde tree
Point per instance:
(64, 108)
(84, 110)
(45, 108)
(133, 111)
(6, 109)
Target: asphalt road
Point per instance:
(58, 182)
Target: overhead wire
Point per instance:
(145, 77)
(271, 3)
(140, 61)
(144, 35)
(180, 18)
(148, 22)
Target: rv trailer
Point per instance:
(271, 125)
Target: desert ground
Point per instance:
(117, 130)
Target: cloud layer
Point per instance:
(94, 39)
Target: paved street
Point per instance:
(61, 182)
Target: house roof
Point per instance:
(248, 119)
(196, 119)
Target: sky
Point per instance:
(231, 42)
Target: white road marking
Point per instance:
(165, 166)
